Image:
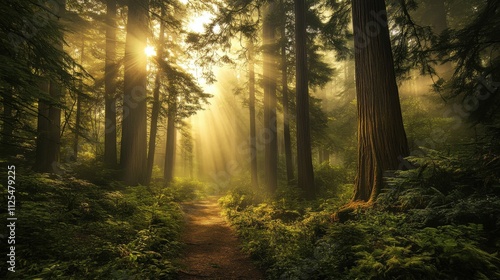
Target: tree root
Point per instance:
(347, 212)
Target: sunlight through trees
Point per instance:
(342, 139)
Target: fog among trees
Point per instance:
(338, 139)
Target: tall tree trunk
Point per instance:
(111, 72)
(43, 126)
(78, 117)
(57, 93)
(251, 106)
(381, 135)
(78, 109)
(305, 178)
(49, 117)
(324, 155)
(134, 127)
(54, 147)
(171, 141)
(285, 101)
(191, 151)
(155, 112)
(270, 121)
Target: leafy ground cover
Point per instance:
(439, 220)
(69, 228)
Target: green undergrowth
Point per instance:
(71, 229)
(439, 220)
(183, 189)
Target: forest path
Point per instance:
(212, 250)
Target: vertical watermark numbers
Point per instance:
(11, 217)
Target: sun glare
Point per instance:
(197, 23)
(150, 51)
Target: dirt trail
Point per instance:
(212, 250)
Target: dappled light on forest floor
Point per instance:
(120, 119)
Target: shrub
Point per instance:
(330, 179)
(437, 221)
(186, 189)
(73, 229)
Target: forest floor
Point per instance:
(212, 248)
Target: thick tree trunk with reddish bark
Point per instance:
(381, 135)
(305, 175)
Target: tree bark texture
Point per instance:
(56, 92)
(286, 102)
(269, 75)
(155, 111)
(134, 124)
(43, 125)
(49, 116)
(305, 175)
(171, 143)
(111, 73)
(381, 135)
(251, 107)
(78, 117)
